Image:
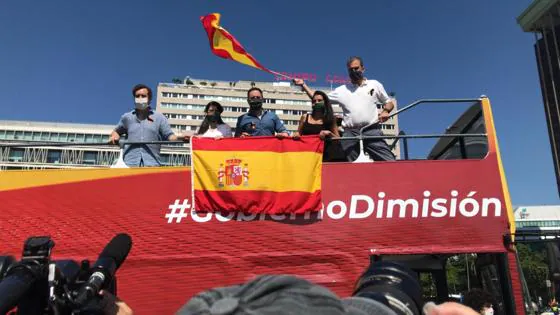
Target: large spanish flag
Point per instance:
(257, 174)
(224, 45)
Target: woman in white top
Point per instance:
(213, 126)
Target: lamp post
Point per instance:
(468, 273)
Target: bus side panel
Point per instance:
(515, 281)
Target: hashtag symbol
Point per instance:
(177, 211)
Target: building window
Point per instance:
(16, 155)
(80, 137)
(9, 135)
(90, 158)
(53, 156)
(98, 138)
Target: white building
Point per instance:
(546, 218)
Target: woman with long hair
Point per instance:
(321, 122)
(213, 126)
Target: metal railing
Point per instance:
(84, 144)
(179, 145)
(404, 137)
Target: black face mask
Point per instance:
(319, 107)
(214, 118)
(355, 75)
(255, 104)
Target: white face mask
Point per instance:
(141, 103)
(488, 311)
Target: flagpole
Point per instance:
(280, 74)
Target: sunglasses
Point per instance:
(317, 101)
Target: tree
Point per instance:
(535, 270)
(177, 81)
(456, 274)
(457, 279)
(428, 285)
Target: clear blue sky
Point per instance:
(76, 61)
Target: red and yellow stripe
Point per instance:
(257, 175)
(23, 179)
(224, 45)
(493, 148)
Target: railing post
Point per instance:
(405, 145)
(463, 148)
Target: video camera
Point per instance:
(38, 285)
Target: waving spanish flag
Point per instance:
(224, 45)
(257, 174)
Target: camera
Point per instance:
(38, 285)
(392, 284)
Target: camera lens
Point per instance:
(392, 284)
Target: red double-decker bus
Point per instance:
(420, 212)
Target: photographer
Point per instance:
(36, 284)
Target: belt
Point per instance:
(375, 126)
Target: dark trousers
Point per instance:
(377, 149)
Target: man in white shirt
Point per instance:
(359, 101)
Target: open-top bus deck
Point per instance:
(418, 211)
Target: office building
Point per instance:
(183, 103)
(542, 18)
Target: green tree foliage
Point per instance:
(428, 285)
(457, 279)
(456, 273)
(535, 269)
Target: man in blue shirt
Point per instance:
(259, 122)
(143, 124)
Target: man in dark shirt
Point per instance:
(259, 122)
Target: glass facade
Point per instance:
(541, 223)
(52, 136)
(67, 156)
